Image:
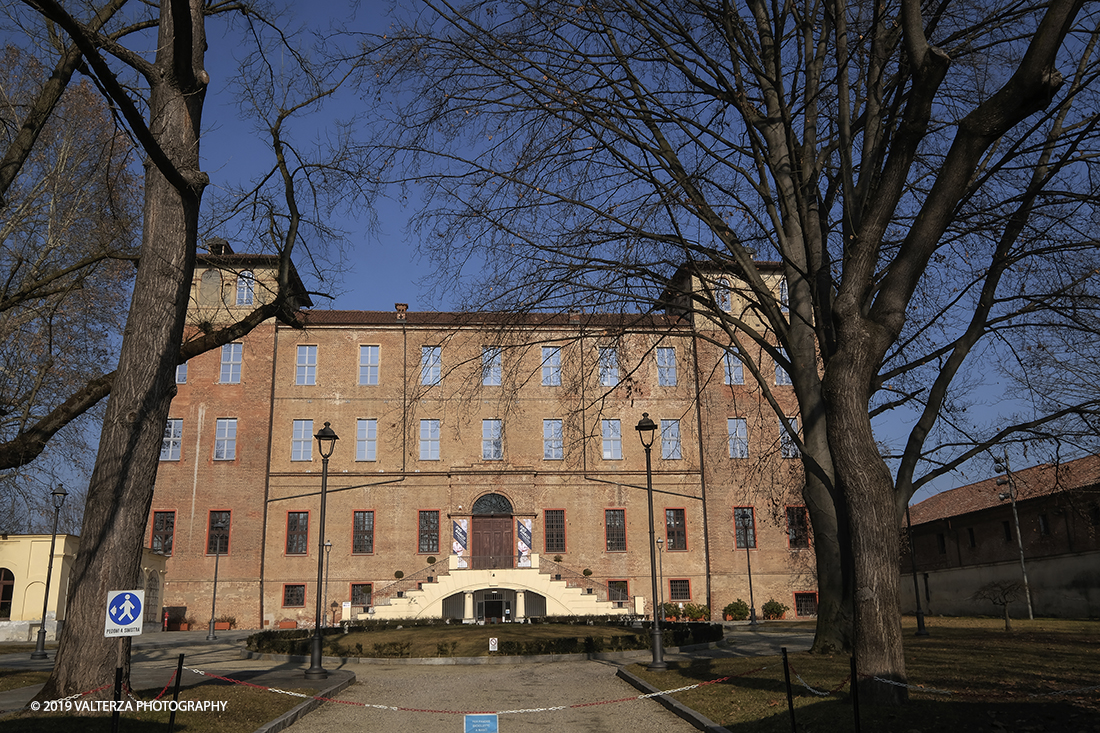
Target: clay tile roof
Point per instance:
(1041, 480)
(433, 318)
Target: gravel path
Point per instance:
(491, 688)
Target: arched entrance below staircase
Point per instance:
(491, 533)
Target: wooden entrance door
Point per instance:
(491, 541)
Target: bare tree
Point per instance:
(1001, 593)
(920, 175)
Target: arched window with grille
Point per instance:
(7, 592)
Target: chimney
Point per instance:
(218, 246)
(401, 308)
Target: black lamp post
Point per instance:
(328, 566)
(921, 630)
(749, 543)
(646, 430)
(661, 573)
(57, 496)
(218, 531)
(326, 443)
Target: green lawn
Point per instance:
(992, 674)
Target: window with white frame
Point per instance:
(366, 439)
(301, 441)
(609, 366)
(781, 375)
(368, 364)
(666, 366)
(738, 437)
(307, 366)
(232, 356)
(491, 366)
(246, 286)
(670, 440)
(553, 447)
(744, 526)
(734, 371)
(492, 440)
(225, 439)
(181, 373)
(788, 446)
(173, 440)
(431, 364)
(551, 366)
(612, 432)
(429, 440)
(722, 295)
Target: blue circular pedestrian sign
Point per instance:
(124, 612)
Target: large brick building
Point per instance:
(491, 460)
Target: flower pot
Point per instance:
(221, 626)
(183, 626)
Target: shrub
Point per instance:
(773, 609)
(398, 574)
(226, 619)
(431, 560)
(696, 612)
(737, 611)
(586, 572)
(672, 611)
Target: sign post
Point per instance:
(124, 613)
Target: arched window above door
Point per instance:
(492, 504)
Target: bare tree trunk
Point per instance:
(121, 488)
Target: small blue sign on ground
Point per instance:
(481, 723)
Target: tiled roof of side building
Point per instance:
(1041, 480)
(633, 321)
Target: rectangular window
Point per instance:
(362, 533)
(429, 532)
(612, 440)
(551, 366)
(181, 373)
(941, 543)
(307, 366)
(301, 445)
(492, 440)
(666, 366)
(431, 364)
(164, 528)
(217, 533)
(618, 592)
(245, 288)
(971, 537)
(675, 529)
(615, 529)
(744, 526)
(738, 436)
(781, 375)
(173, 440)
(555, 530)
(297, 533)
(1007, 530)
(798, 527)
(429, 440)
(368, 365)
(734, 370)
(553, 444)
(670, 440)
(805, 604)
(609, 366)
(225, 439)
(294, 596)
(232, 356)
(491, 366)
(360, 594)
(1044, 525)
(366, 439)
(788, 447)
(679, 589)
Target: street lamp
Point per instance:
(217, 531)
(661, 570)
(745, 527)
(1007, 479)
(328, 566)
(326, 443)
(646, 430)
(57, 496)
(921, 630)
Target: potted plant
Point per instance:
(398, 574)
(774, 610)
(188, 623)
(736, 611)
(225, 623)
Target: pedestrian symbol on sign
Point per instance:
(124, 609)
